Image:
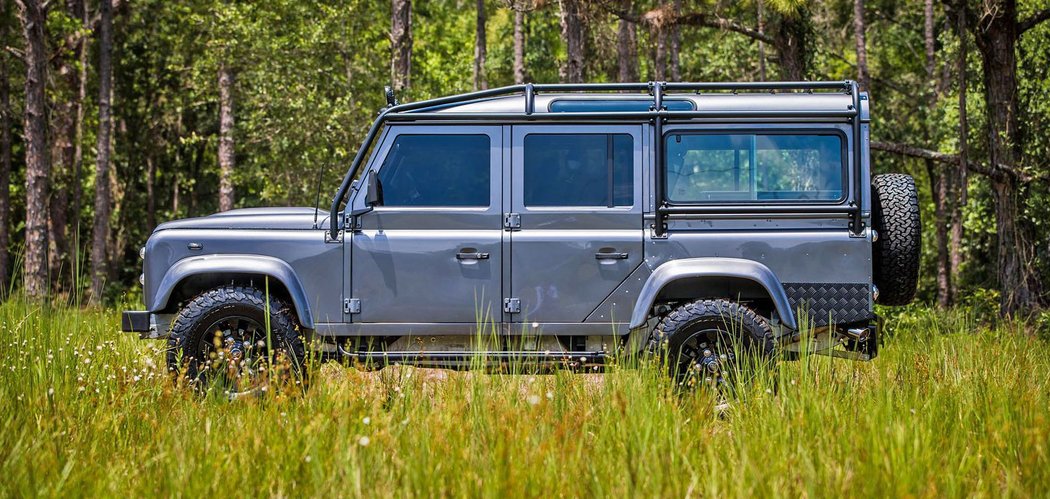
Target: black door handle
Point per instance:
(610, 256)
(472, 256)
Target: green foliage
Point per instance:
(309, 79)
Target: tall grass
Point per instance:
(950, 408)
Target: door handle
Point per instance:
(601, 255)
(472, 256)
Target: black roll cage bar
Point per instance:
(658, 114)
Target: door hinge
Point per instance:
(352, 306)
(512, 221)
(352, 222)
(512, 305)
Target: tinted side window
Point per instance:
(751, 167)
(437, 170)
(579, 170)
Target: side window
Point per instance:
(752, 167)
(579, 170)
(437, 170)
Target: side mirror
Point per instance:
(374, 197)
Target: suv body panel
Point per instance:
(400, 263)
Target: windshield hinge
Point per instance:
(512, 221)
(352, 306)
(512, 305)
(352, 222)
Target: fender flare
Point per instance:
(736, 268)
(236, 264)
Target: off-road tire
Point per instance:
(896, 252)
(203, 310)
(742, 324)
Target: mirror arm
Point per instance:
(360, 211)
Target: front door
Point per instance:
(577, 191)
(431, 252)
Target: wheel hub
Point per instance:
(712, 365)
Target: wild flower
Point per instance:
(533, 399)
(364, 441)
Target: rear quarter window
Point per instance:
(754, 167)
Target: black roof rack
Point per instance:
(430, 110)
(530, 90)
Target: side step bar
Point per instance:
(458, 357)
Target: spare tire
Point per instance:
(895, 218)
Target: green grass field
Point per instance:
(950, 408)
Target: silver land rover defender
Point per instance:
(558, 222)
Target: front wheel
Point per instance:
(224, 337)
(706, 341)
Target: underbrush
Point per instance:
(953, 406)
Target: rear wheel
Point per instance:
(220, 339)
(706, 341)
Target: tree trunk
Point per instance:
(151, 198)
(627, 52)
(64, 118)
(78, 148)
(660, 57)
(5, 162)
(226, 144)
(519, 46)
(939, 189)
(479, 49)
(996, 37)
(401, 43)
(791, 31)
(33, 16)
(676, 42)
(761, 45)
(100, 232)
(572, 31)
(961, 181)
(859, 28)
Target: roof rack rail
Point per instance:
(428, 110)
(530, 90)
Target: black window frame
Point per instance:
(843, 154)
(611, 204)
(381, 165)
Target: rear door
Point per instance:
(576, 218)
